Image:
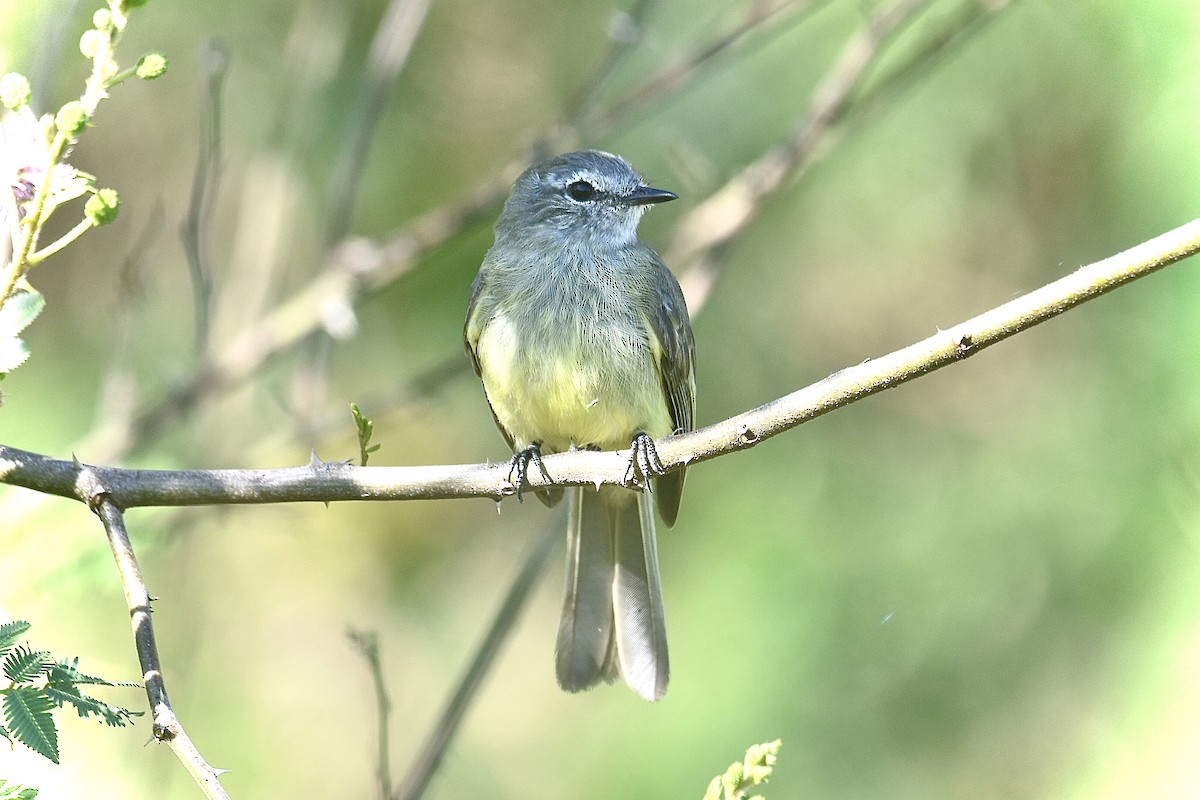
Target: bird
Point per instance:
(581, 337)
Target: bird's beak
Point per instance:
(645, 195)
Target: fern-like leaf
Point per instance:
(86, 706)
(21, 308)
(15, 791)
(27, 712)
(366, 429)
(15, 315)
(10, 632)
(24, 664)
(64, 672)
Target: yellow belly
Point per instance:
(582, 388)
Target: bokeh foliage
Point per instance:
(981, 584)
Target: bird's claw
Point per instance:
(518, 470)
(644, 462)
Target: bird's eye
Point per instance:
(581, 191)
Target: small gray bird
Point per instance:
(581, 337)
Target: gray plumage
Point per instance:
(581, 337)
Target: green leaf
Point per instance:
(15, 791)
(86, 706)
(755, 769)
(13, 353)
(62, 686)
(62, 672)
(27, 712)
(10, 632)
(24, 664)
(365, 430)
(19, 310)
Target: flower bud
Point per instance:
(152, 66)
(93, 42)
(102, 207)
(14, 91)
(71, 119)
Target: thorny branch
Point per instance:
(166, 726)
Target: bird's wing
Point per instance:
(675, 349)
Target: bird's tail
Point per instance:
(612, 618)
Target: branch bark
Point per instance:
(166, 726)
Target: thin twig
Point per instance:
(166, 726)
(390, 48)
(705, 236)
(367, 643)
(439, 738)
(675, 77)
(321, 482)
(949, 34)
(626, 31)
(196, 230)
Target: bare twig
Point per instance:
(940, 350)
(391, 45)
(940, 42)
(705, 236)
(367, 643)
(322, 482)
(206, 178)
(166, 726)
(626, 30)
(439, 738)
(356, 266)
(390, 48)
(675, 77)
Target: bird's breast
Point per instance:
(571, 368)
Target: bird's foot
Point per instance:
(518, 470)
(644, 462)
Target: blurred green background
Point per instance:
(981, 584)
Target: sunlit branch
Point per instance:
(166, 726)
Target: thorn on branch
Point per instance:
(317, 465)
(89, 489)
(748, 436)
